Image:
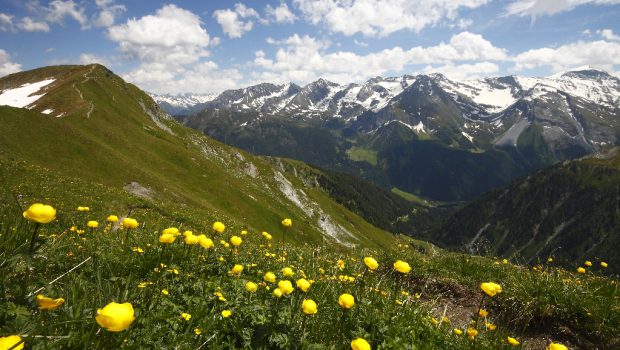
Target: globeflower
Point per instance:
(205, 242)
(288, 272)
(267, 236)
(92, 224)
(581, 270)
(588, 263)
(277, 293)
(556, 346)
(287, 223)
(604, 264)
(251, 287)
(360, 344)
(218, 227)
(166, 238)
(512, 341)
(186, 316)
(226, 313)
(83, 208)
(402, 266)
(46, 303)
(286, 286)
(491, 288)
(457, 331)
(115, 317)
(171, 231)
(11, 342)
(371, 263)
(309, 307)
(270, 277)
(483, 313)
(346, 301)
(191, 239)
(129, 223)
(303, 284)
(472, 333)
(237, 269)
(40, 213)
(112, 218)
(236, 241)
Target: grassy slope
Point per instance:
(119, 143)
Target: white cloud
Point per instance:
(108, 12)
(381, 18)
(89, 58)
(232, 21)
(464, 71)
(360, 43)
(280, 14)
(6, 22)
(59, 9)
(535, 8)
(173, 35)
(464, 23)
(608, 34)
(30, 25)
(6, 66)
(600, 53)
(303, 58)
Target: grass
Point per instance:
(410, 196)
(358, 154)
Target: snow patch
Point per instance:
(468, 136)
(47, 111)
(23, 95)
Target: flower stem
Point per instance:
(34, 236)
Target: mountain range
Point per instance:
(427, 135)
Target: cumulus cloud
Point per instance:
(90, 58)
(58, 10)
(172, 35)
(6, 66)
(600, 53)
(29, 25)
(6, 22)
(464, 71)
(536, 8)
(304, 58)
(108, 13)
(608, 34)
(236, 22)
(381, 18)
(280, 14)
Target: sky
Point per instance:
(209, 46)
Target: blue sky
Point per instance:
(210, 46)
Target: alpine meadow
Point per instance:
(304, 174)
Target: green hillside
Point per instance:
(569, 212)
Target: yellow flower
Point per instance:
(588, 263)
(112, 218)
(92, 224)
(236, 241)
(309, 307)
(340, 264)
(581, 270)
(251, 287)
(191, 239)
(490, 326)
(505, 261)
(457, 331)
(513, 341)
(287, 222)
(226, 313)
(237, 269)
(83, 209)
(218, 227)
(171, 231)
(402, 267)
(187, 233)
(270, 277)
(359, 344)
(205, 242)
(556, 346)
(129, 223)
(371, 263)
(115, 317)
(303, 284)
(346, 301)
(549, 260)
(46, 303)
(165, 291)
(166, 238)
(604, 264)
(197, 331)
(472, 333)
(286, 286)
(11, 342)
(434, 320)
(483, 313)
(491, 288)
(288, 272)
(266, 235)
(40, 213)
(277, 293)
(186, 316)
(244, 232)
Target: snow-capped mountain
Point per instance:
(182, 104)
